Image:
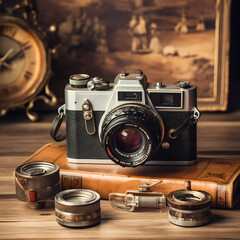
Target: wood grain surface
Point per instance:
(218, 135)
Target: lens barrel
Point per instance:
(78, 208)
(131, 134)
(36, 182)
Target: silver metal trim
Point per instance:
(79, 79)
(87, 197)
(49, 169)
(148, 163)
(183, 222)
(107, 100)
(62, 109)
(79, 224)
(190, 211)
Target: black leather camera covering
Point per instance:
(80, 145)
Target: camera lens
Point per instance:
(131, 134)
(129, 140)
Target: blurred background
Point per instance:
(218, 131)
(170, 41)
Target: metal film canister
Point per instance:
(189, 208)
(78, 208)
(36, 182)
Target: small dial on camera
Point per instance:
(134, 120)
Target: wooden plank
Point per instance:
(7, 166)
(18, 221)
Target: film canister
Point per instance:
(78, 208)
(37, 182)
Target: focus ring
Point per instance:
(129, 108)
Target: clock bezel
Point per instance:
(33, 30)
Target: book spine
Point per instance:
(105, 184)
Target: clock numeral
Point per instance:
(28, 75)
(14, 33)
(4, 91)
(26, 45)
(10, 90)
(13, 89)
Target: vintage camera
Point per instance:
(131, 121)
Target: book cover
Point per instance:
(219, 177)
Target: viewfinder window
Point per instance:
(166, 99)
(130, 96)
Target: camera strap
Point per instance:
(174, 133)
(57, 122)
(88, 117)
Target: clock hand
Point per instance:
(16, 55)
(10, 50)
(4, 58)
(6, 65)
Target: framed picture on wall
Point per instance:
(170, 41)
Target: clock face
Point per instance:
(23, 63)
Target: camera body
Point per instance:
(130, 122)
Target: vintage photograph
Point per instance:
(170, 41)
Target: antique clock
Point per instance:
(25, 59)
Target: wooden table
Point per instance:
(218, 134)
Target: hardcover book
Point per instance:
(219, 177)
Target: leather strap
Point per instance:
(174, 133)
(57, 122)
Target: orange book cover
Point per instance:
(219, 177)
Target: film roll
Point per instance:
(78, 208)
(36, 182)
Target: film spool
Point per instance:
(37, 182)
(78, 208)
(189, 208)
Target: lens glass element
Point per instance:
(129, 140)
